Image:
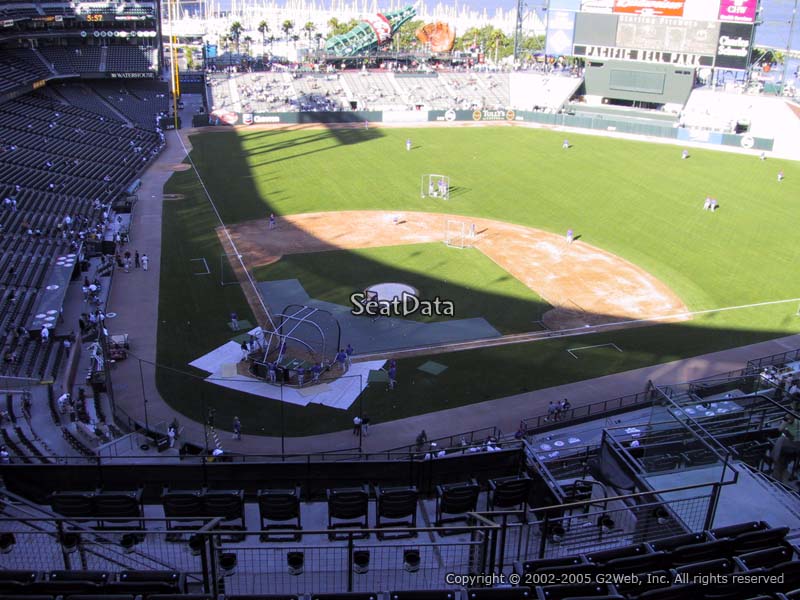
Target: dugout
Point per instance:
(631, 83)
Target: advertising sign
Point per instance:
(683, 59)
(738, 11)
(733, 49)
(656, 8)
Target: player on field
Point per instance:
(685, 154)
(780, 175)
(707, 204)
(565, 145)
(408, 145)
(431, 190)
(570, 236)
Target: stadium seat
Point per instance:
(613, 597)
(604, 556)
(350, 506)
(534, 566)
(18, 576)
(690, 591)
(720, 565)
(181, 504)
(225, 504)
(118, 506)
(509, 492)
(647, 581)
(759, 540)
(692, 553)
(280, 506)
(182, 597)
(790, 571)
(63, 588)
(342, 596)
(398, 504)
(104, 596)
(642, 563)
(765, 558)
(738, 529)
(562, 591)
(423, 595)
(76, 505)
(670, 543)
(517, 593)
(147, 583)
(568, 569)
(456, 499)
(93, 576)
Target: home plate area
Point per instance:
(221, 364)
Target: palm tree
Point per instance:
(236, 33)
(498, 36)
(309, 28)
(333, 26)
(247, 42)
(318, 37)
(287, 27)
(263, 29)
(294, 38)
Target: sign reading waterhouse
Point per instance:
(660, 8)
(733, 49)
(738, 11)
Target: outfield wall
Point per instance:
(616, 124)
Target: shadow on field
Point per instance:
(193, 314)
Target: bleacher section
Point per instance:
(382, 90)
(57, 160)
(128, 59)
(20, 67)
(85, 59)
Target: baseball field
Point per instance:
(646, 250)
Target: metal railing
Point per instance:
(588, 411)
(756, 365)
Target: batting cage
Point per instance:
(302, 333)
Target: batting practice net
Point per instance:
(304, 333)
(433, 185)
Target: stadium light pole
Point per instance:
(789, 43)
(173, 62)
(144, 398)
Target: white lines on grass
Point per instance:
(572, 351)
(227, 233)
(205, 264)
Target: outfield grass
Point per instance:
(637, 200)
(468, 278)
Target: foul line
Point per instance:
(227, 233)
(535, 336)
(573, 350)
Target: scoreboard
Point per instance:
(722, 41)
(658, 33)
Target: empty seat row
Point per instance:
(70, 583)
